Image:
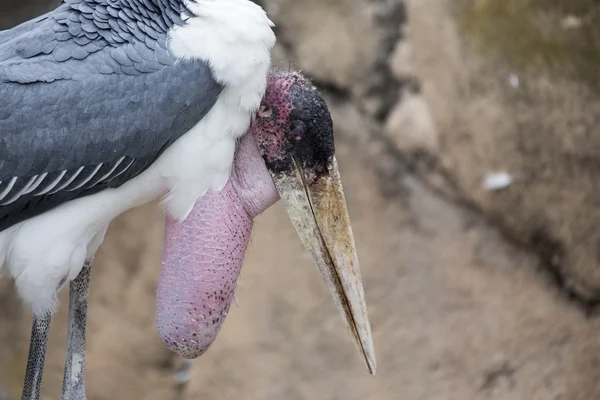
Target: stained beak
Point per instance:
(317, 208)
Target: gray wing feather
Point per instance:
(89, 100)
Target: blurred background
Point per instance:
(467, 137)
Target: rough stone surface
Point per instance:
(460, 308)
(335, 41)
(13, 12)
(536, 124)
(411, 126)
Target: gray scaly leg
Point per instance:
(73, 381)
(183, 375)
(182, 378)
(37, 355)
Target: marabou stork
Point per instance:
(108, 104)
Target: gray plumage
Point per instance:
(89, 98)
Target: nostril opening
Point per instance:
(265, 111)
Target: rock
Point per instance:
(497, 108)
(13, 12)
(333, 41)
(343, 45)
(411, 125)
(400, 59)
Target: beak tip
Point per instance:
(372, 366)
(369, 354)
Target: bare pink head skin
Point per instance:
(290, 136)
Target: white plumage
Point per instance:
(235, 36)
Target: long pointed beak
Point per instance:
(317, 208)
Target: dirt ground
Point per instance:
(459, 310)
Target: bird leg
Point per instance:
(37, 355)
(184, 374)
(73, 381)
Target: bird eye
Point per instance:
(297, 129)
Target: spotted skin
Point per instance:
(276, 108)
(202, 261)
(292, 100)
(35, 360)
(74, 379)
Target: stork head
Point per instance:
(294, 133)
(289, 154)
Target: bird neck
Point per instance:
(250, 178)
